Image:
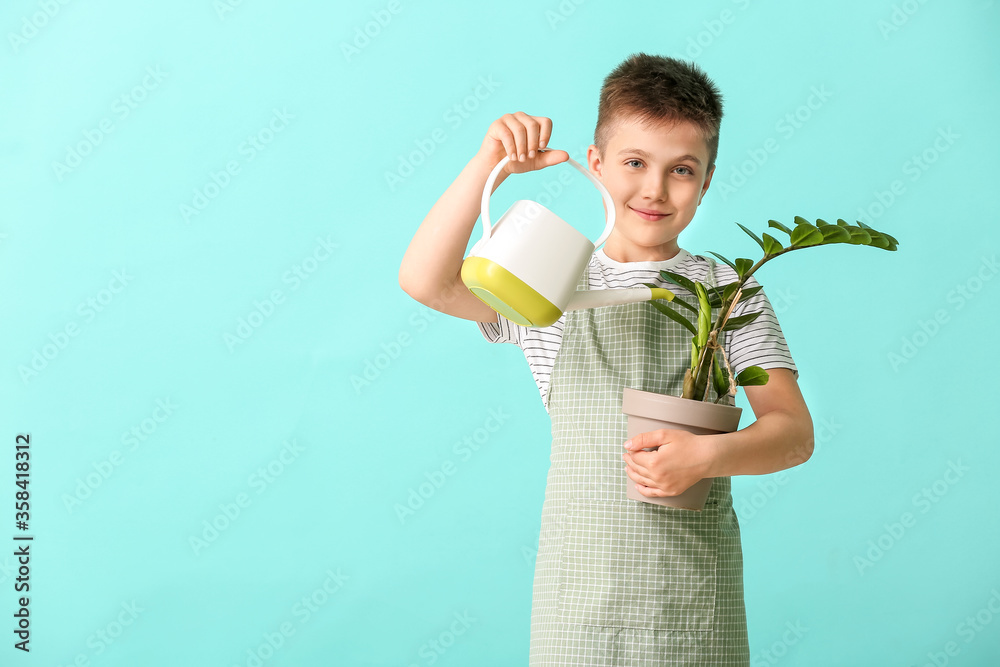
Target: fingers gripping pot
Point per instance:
(527, 264)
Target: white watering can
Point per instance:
(527, 265)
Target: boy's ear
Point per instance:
(708, 181)
(594, 160)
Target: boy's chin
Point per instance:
(653, 242)
(654, 249)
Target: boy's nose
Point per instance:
(655, 188)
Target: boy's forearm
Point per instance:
(778, 440)
(434, 256)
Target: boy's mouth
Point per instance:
(649, 215)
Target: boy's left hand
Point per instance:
(679, 461)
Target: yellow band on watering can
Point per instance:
(507, 294)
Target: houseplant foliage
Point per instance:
(709, 366)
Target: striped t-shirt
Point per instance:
(760, 343)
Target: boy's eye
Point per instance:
(686, 171)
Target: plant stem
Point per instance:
(703, 369)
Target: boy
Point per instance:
(621, 582)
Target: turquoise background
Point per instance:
(313, 556)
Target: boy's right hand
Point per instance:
(522, 138)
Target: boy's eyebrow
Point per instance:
(648, 156)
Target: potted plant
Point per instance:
(695, 411)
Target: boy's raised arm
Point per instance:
(431, 268)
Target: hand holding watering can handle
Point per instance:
(608, 201)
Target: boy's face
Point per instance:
(660, 169)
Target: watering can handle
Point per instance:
(608, 201)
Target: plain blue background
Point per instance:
(318, 560)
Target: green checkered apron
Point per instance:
(619, 581)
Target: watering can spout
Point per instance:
(614, 297)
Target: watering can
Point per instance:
(527, 265)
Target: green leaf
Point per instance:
(878, 239)
(674, 315)
(678, 279)
(704, 316)
(703, 302)
(734, 323)
(714, 297)
(694, 356)
(835, 234)
(731, 265)
(720, 379)
(771, 245)
(752, 376)
(888, 237)
(805, 235)
(777, 225)
(859, 236)
(704, 326)
(820, 222)
(684, 303)
(865, 235)
(799, 220)
(730, 289)
(749, 292)
(753, 236)
(743, 265)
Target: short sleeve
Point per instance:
(501, 331)
(760, 343)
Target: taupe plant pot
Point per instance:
(647, 411)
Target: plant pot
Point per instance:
(647, 411)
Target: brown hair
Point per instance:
(656, 89)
